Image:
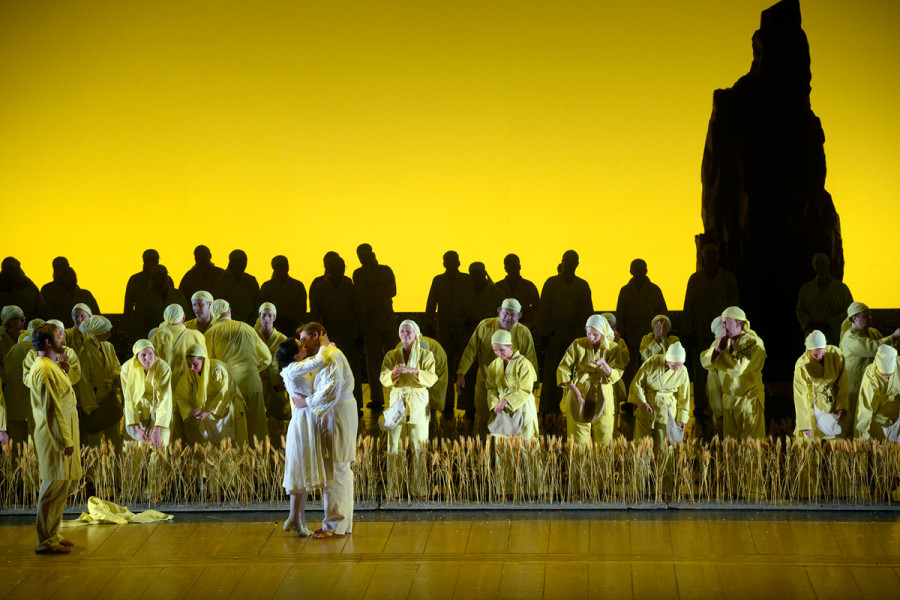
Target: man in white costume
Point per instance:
(333, 403)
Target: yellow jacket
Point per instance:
(651, 347)
(479, 350)
(743, 367)
(515, 383)
(100, 370)
(55, 421)
(859, 348)
(221, 395)
(821, 384)
(236, 344)
(664, 390)
(148, 396)
(413, 391)
(879, 403)
(576, 367)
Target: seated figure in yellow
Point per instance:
(589, 371)
(274, 396)
(100, 370)
(820, 382)
(509, 381)
(408, 371)
(658, 340)
(879, 396)
(209, 402)
(859, 343)
(661, 390)
(147, 395)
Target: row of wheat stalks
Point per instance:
(474, 471)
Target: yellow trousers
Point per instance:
(50, 505)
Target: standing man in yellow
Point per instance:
(479, 350)
(740, 354)
(55, 436)
(237, 345)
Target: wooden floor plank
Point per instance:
(610, 580)
(38, 584)
(248, 539)
(877, 583)
(650, 537)
(259, 582)
(216, 582)
(569, 537)
(690, 537)
(833, 583)
(478, 581)
(751, 582)
(522, 581)
(391, 582)
(654, 581)
(128, 584)
(207, 540)
(698, 581)
(488, 537)
(731, 537)
(529, 537)
(814, 537)
(408, 537)
(888, 535)
(368, 538)
(345, 581)
(856, 539)
(166, 541)
(566, 581)
(435, 581)
(124, 540)
(10, 577)
(448, 537)
(173, 582)
(773, 537)
(610, 537)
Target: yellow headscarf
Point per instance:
(173, 315)
(854, 309)
(202, 295)
(9, 312)
(33, 324)
(136, 381)
(600, 323)
(262, 307)
(415, 352)
(94, 326)
(218, 308)
(737, 313)
(199, 351)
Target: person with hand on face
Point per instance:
(56, 440)
(589, 370)
(209, 401)
(479, 351)
(820, 383)
(859, 343)
(741, 354)
(658, 340)
(147, 392)
(661, 390)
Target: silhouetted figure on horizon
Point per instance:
(822, 303)
(447, 325)
(515, 286)
(136, 287)
(203, 275)
(239, 288)
(334, 303)
(565, 306)
(63, 294)
(375, 287)
(287, 294)
(17, 289)
(53, 287)
(639, 301)
(319, 281)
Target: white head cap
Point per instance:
(512, 304)
(886, 359)
(815, 340)
(676, 353)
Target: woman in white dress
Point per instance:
(304, 465)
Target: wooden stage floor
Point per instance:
(660, 554)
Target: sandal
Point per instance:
(67, 543)
(325, 535)
(53, 550)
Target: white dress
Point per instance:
(304, 464)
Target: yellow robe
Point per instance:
(651, 347)
(576, 367)
(413, 391)
(2, 409)
(437, 393)
(74, 339)
(859, 348)
(276, 402)
(148, 399)
(879, 404)
(665, 391)
(479, 351)
(821, 384)
(715, 385)
(743, 394)
(237, 345)
(514, 382)
(55, 421)
(172, 346)
(222, 398)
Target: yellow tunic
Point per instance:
(171, 344)
(55, 421)
(194, 325)
(413, 391)
(236, 344)
(821, 384)
(513, 382)
(276, 401)
(665, 391)
(100, 369)
(222, 398)
(2, 409)
(148, 397)
(743, 393)
(651, 347)
(879, 404)
(74, 339)
(437, 394)
(589, 378)
(859, 348)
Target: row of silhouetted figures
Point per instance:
(610, 373)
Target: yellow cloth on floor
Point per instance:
(104, 511)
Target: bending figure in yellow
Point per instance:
(879, 396)
(589, 370)
(147, 395)
(820, 383)
(100, 372)
(859, 343)
(509, 382)
(658, 340)
(661, 390)
(479, 351)
(209, 401)
(740, 354)
(274, 397)
(56, 438)
(246, 355)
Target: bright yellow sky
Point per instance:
(294, 128)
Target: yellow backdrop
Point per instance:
(418, 126)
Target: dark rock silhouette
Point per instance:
(763, 175)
